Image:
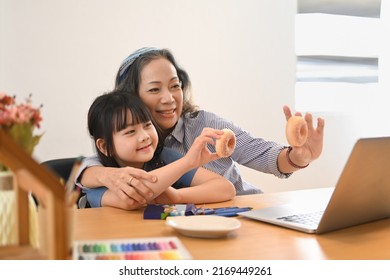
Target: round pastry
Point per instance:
(296, 131)
(225, 145)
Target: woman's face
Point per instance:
(135, 145)
(160, 90)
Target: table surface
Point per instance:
(253, 240)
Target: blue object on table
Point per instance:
(225, 211)
(162, 211)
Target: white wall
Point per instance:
(238, 53)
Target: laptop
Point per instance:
(361, 195)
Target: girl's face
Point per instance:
(135, 145)
(160, 90)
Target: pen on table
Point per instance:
(214, 210)
(227, 212)
(224, 208)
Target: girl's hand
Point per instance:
(199, 154)
(170, 196)
(312, 148)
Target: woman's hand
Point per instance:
(125, 182)
(312, 148)
(199, 154)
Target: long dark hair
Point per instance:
(130, 80)
(108, 114)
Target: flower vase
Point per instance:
(8, 215)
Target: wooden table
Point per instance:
(253, 240)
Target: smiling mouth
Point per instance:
(167, 113)
(144, 148)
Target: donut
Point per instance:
(296, 131)
(225, 145)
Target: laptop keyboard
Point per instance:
(312, 218)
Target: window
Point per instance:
(340, 51)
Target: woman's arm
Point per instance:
(92, 175)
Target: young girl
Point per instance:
(124, 135)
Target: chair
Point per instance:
(62, 168)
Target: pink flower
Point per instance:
(19, 121)
(12, 113)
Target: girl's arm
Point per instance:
(206, 187)
(198, 155)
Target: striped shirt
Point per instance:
(255, 153)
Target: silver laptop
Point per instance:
(361, 195)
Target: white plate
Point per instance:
(208, 226)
